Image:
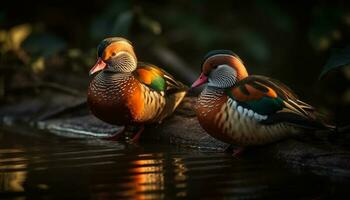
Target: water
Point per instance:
(42, 166)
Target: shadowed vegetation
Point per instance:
(53, 43)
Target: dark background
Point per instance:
(53, 42)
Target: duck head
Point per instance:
(221, 69)
(115, 54)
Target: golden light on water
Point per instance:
(12, 176)
(180, 176)
(148, 181)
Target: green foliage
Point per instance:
(339, 58)
(273, 38)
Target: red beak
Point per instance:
(100, 65)
(200, 81)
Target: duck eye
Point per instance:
(113, 54)
(215, 66)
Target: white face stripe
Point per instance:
(120, 52)
(223, 65)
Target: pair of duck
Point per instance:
(234, 107)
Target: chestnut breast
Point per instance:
(208, 106)
(109, 97)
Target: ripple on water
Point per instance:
(59, 168)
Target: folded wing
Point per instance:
(270, 97)
(158, 79)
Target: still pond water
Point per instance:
(43, 166)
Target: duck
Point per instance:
(248, 110)
(128, 93)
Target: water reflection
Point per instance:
(12, 181)
(75, 169)
(149, 178)
(180, 176)
(12, 171)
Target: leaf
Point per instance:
(38, 65)
(338, 58)
(18, 34)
